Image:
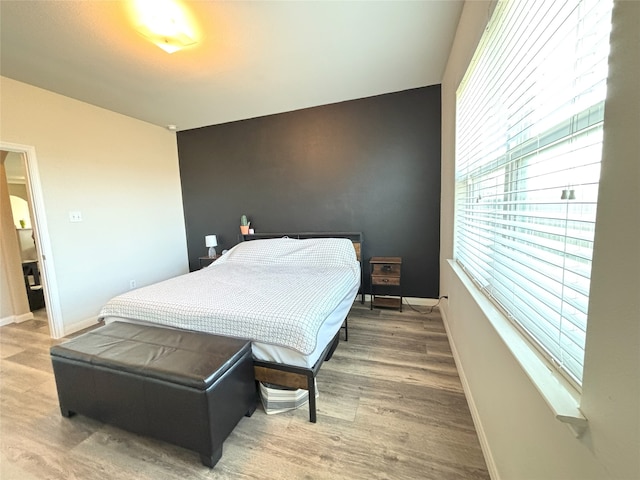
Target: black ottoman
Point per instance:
(187, 388)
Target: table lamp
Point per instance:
(211, 241)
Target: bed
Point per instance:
(289, 295)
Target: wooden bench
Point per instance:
(187, 388)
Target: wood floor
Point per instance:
(391, 407)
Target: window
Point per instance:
(529, 126)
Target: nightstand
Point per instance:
(206, 261)
(386, 274)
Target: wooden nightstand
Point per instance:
(206, 261)
(386, 273)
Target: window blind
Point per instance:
(529, 127)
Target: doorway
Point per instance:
(40, 269)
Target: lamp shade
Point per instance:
(211, 241)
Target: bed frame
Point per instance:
(302, 377)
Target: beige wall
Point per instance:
(121, 174)
(521, 437)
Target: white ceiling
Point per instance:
(254, 58)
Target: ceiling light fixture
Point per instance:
(164, 23)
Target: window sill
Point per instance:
(561, 397)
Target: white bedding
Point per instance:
(288, 296)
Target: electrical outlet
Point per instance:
(75, 216)
(132, 284)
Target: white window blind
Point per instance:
(528, 148)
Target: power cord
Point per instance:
(430, 309)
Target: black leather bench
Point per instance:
(187, 388)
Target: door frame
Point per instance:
(41, 236)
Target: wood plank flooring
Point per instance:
(391, 407)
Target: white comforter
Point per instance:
(277, 292)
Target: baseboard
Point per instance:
(76, 327)
(15, 319)
(423, 302)
(24, 317)
(475, 415)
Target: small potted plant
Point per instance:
(244, 225)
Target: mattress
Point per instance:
(288, 296)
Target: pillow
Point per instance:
(321, 252)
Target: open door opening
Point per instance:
(33, 246)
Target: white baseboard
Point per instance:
(24, 317)
(15, 319)
(424, 302)
(475, 415)
(76, 327)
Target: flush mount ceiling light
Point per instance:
(164, 23)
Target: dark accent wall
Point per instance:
(369, 165)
